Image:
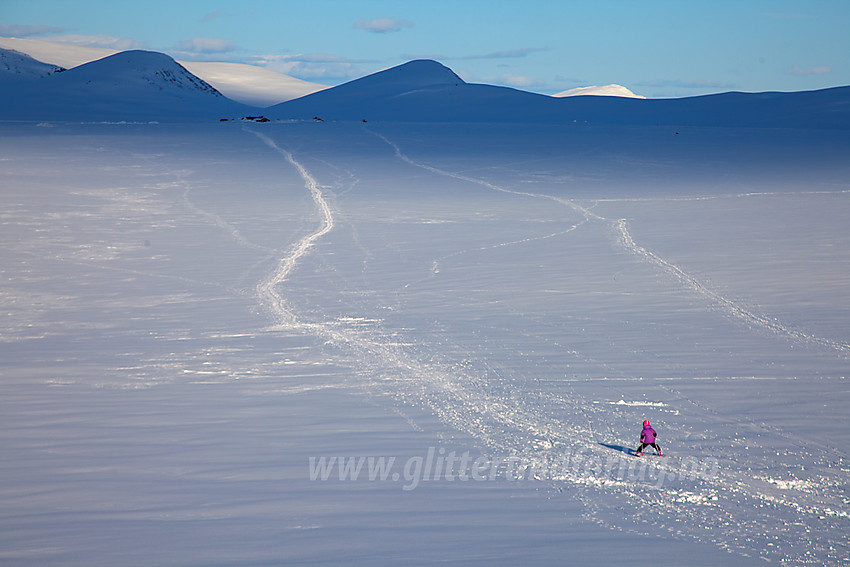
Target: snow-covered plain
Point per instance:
(201, 320)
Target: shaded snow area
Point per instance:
(408, 344)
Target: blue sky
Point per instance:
(655, 48)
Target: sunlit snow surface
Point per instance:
(192, 313)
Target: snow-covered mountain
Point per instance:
(246, 84)
(143, 85)
(65, 55)
(426, 91)
(605, 90)
(131, 85)
(133, 71)
(420, 90)
(14, 64)
(252, 85)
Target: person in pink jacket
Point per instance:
(647, 439)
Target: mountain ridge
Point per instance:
(152, 86)
(244, 83)
(385, 96)
(140, 68)
(130, 85)
(15, 64)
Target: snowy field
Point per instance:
(202, 322)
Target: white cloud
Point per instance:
(806, 71)
(206, 45)
(511, 80)
(104, 41)
(321, 67)
(210, 16)
(680, 84)
(507, 54)
(382, 25)
(13, 30)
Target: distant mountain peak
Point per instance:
(605, 90)
(131, 85)
(143, 68)
(248, 84)
(414, 74)
(427, 91)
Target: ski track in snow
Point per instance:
(729, 306)
(435, 266)
(625, 238)
(716, 506)
(225, 226)
(267, 289)
(702, 499)
(216, 220)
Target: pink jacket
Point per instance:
(648, 435)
